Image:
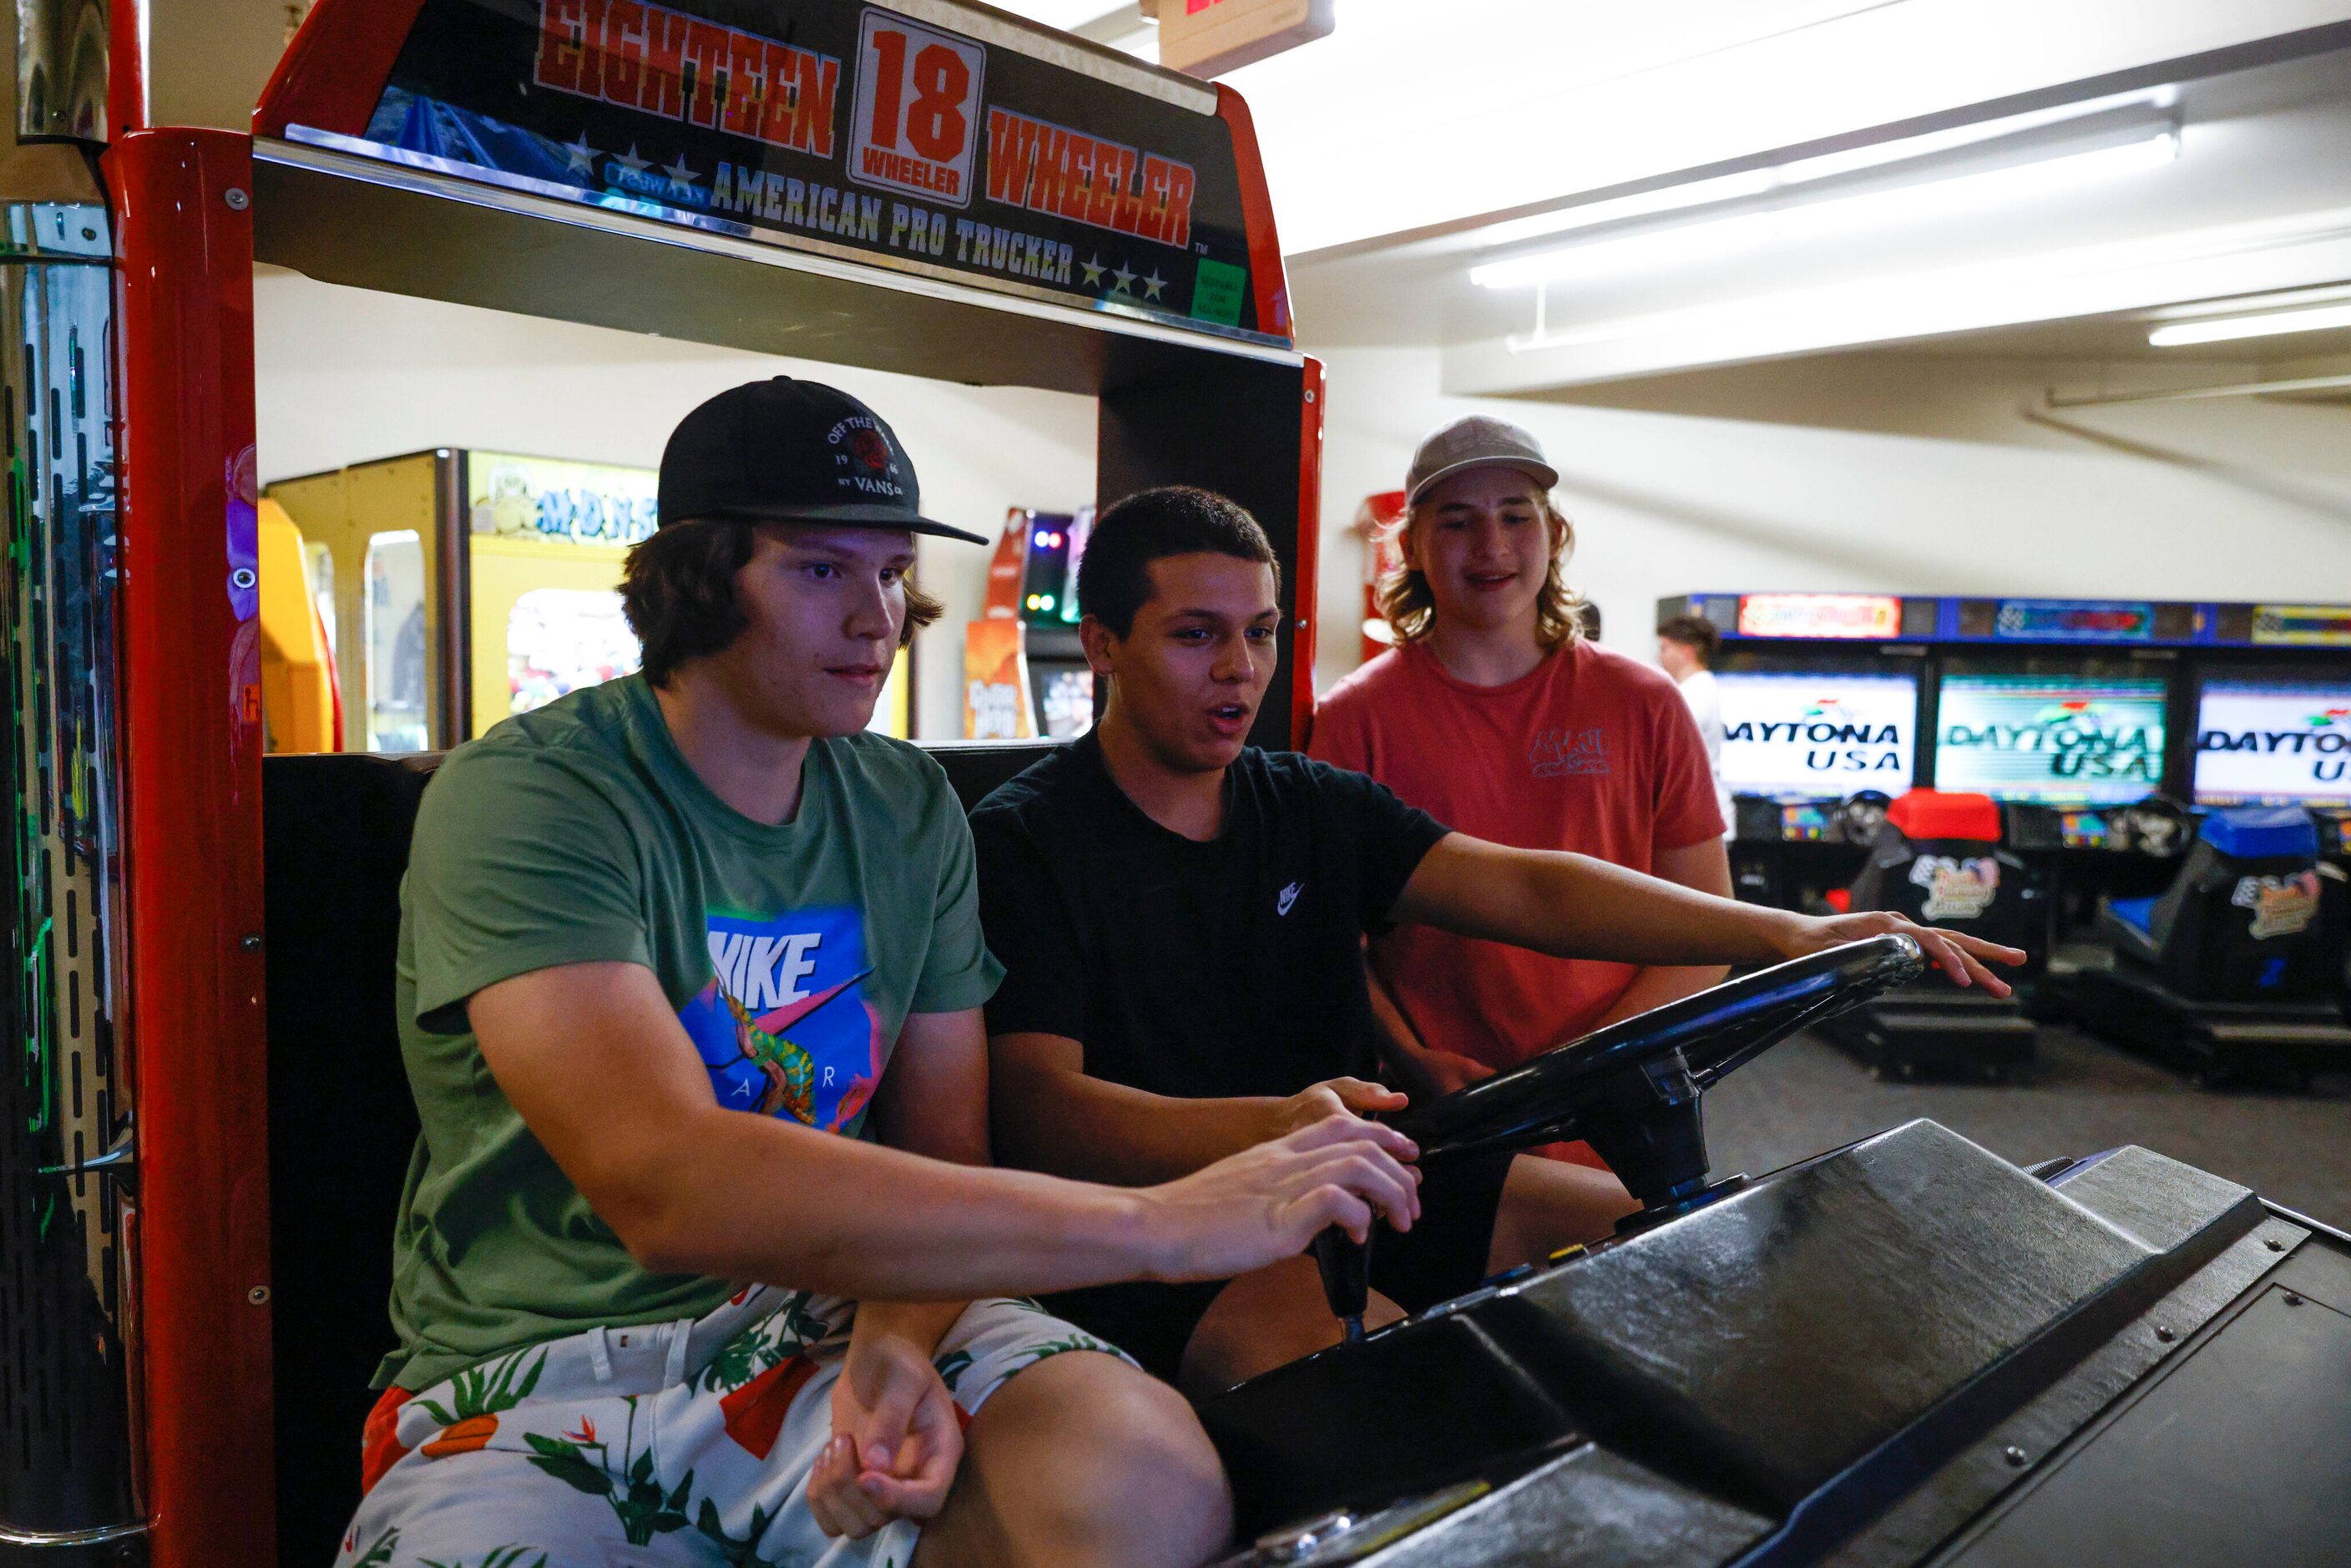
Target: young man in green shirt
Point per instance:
(690, 979)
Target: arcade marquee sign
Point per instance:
(837, 125)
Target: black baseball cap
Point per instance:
(787, 451)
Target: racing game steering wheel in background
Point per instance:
(1860, 814)
(1632, 1089)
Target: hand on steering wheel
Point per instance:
(1332, 1097)
(1958, 955)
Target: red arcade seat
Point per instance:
(1939, 858)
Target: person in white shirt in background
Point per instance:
(1685, 648)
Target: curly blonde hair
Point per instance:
(1403, 599)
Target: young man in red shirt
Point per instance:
(1180, 914)
(1495, 713)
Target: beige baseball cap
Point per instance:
(1475, 441)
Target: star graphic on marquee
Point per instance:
(1122, 280)
(1152, 285)
(679, 172)
(630, 161)
(578, 154)
(1093, 272)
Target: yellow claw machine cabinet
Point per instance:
(459, 587)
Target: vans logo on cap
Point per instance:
(862, 458)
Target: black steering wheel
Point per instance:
(1861, 814)
(1704, 1037)
(2158, 825)
(1632, 1089)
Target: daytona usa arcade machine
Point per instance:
(206, 1124)
(1821, 696)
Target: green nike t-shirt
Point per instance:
(792, 954)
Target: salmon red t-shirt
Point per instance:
(1590, 751)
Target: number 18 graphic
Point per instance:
(916, 121)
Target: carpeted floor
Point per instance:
(1806, 1096)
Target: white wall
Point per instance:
(1920, 475)
(345, 375)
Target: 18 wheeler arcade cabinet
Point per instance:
(196, 1188)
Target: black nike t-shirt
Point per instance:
(1194, 969)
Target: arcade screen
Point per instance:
(1049, 583)
(2058, 740)
(2273, 740)
(1817, 734)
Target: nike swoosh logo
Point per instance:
(1289, 896)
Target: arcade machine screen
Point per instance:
(2267, 739)
(1823, 736)
(2070, 738)
(1061, 682)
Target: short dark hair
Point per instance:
(1695, 632)
(677, 589)
(1115, 577)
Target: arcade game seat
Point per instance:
(343, 1125)
(2234, 970)
(1939, 858)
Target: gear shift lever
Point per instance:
(1346, 1270)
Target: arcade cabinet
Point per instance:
(2236, 969)
(301, 704)
(1820, 713)
(462, 587)
(193, 1258)
(1904, 1350)
(1939, 860)
(1024, 672)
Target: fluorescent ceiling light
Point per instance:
(1829, 215)
(2232, 327)
(2248, 304)
(2045, 285)
(2088, 115)
(1927, 186)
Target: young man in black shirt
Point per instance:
(1180, 917)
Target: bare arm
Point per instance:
(596, 1063)
(1706, 866)
(934, 1101)
(1423, 1068)
(1573, 906)
(896, 1445)
(1048, 1115)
